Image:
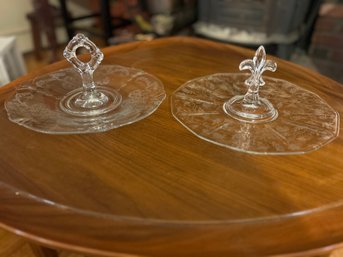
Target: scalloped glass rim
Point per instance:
(36, 103)
(198, 106)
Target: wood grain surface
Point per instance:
(154, 189)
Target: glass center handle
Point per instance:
(86, 69)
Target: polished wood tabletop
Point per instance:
(152, 188)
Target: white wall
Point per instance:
(13, 21)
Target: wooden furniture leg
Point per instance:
(35, 36)
(41, 251)
(42, 20)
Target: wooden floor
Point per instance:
(46, 58)
(14, 246)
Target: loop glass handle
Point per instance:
(81, 41)
(90, 99)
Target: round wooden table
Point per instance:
(152, 188)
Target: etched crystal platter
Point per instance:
(72, 101)
(219, 109)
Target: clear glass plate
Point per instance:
(42, 104)
(304, 121)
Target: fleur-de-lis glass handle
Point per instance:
(256, 66)
(251, 107)
(90, 99)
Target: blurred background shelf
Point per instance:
(307, 32)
